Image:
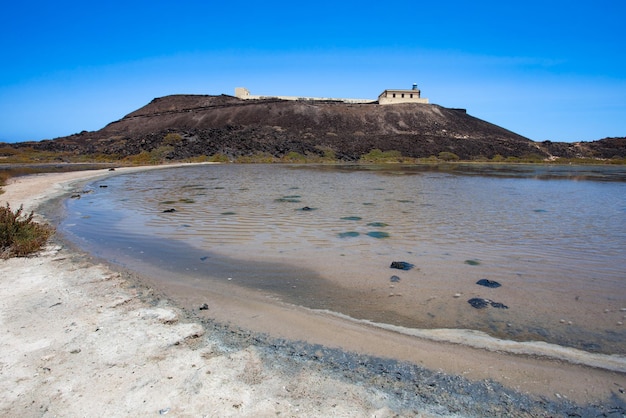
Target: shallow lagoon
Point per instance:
(325, 236)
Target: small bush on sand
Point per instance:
(19, 234)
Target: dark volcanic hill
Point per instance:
(234, 127)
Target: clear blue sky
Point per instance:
(546, 69)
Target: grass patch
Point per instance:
(19, 234)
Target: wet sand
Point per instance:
(71, 321)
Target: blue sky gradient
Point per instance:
(549, 70)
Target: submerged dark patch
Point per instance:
(378, 234)
(287, 200)
(401, 265)
(480, 303)
(488, 283)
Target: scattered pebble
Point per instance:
(204, 307)
(394, 279)
(457, 295)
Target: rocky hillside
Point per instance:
(209, 125)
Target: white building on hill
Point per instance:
(393, 96)
(390, 96)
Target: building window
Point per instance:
(411, 95)
(403, 95)
(394, 95)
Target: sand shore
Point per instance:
(81, 338)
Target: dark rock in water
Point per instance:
(479, 303)
(401, 265)
(103, 186)
(394, 279)
(306, 208)
(488, 283)
(204, 307)
(111, 169)
(169, 210)
(75, 196)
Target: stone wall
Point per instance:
(244, 93)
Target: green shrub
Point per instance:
(293, 157)
(448, 156)
(143, 158)
(219, 158)
(19, 235)
(378, 156)
(257, 158)
(328, 154)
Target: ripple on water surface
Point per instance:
(557, 247)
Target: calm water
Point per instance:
(324, 237)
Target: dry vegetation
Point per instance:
(20, 235)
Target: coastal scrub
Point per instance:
(19, 234)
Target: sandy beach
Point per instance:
(84, 338)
